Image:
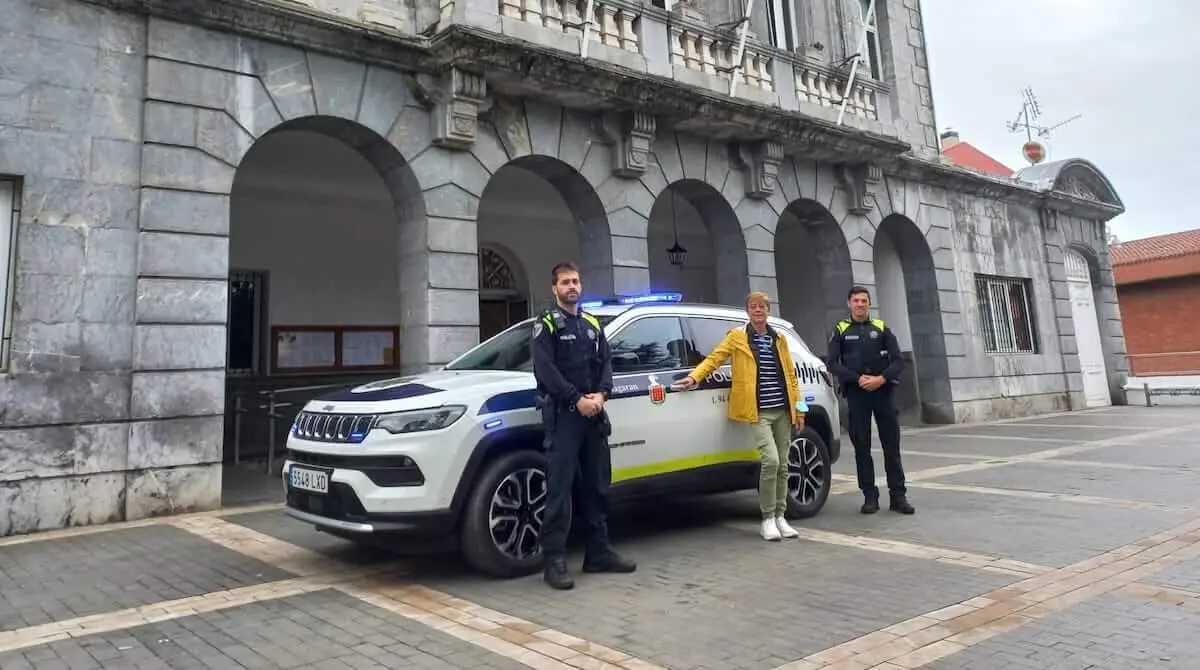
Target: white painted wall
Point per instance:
(891, 297)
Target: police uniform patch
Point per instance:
(537, 329)
(874, 335)
(591, 334)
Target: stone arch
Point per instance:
(545, 211)
(812, 268)
(715, 269)
(907, 298)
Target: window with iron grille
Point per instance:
(1006, 315)
(10, 214)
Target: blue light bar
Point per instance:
(642, 299)
(650, 297)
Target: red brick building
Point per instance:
(1158, 288)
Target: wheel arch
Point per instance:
(491, 447)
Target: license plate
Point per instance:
(305, 479)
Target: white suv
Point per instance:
(459, 451)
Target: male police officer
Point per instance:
(865, 357)
(573, 367)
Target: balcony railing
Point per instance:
(683, 48)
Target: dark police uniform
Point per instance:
(571, 359)
(869, 348)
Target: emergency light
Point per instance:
(670, 296)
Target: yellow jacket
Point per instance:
(743, 396)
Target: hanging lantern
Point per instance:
(677, 254)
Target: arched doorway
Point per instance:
(1088, 341)
(812, 270)
(696, 217)
(319, 211)
(503, 293)
(906, 298)
(540, 211)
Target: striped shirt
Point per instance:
(771, 394)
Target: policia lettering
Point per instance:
(868, 348)
(571, 359)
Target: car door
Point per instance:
(708, 404)
(646, 351)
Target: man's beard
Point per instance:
(567, 298)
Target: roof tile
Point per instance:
(1155, 248)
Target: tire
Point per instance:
(519, 477)
(810, 474)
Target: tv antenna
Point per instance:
(1027, 118)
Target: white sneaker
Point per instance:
(784, 529)
(770, 530)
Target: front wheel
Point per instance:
(502, 528)
(810, 475)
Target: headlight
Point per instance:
(415, 421)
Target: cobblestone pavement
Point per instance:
(1066, 541)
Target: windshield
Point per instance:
(508, 351)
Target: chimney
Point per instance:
(949, 139)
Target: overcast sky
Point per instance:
(1130, 67)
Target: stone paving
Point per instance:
(1065, 541)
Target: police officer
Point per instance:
(573, 367)
(865, 357)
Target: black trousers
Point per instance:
(862, 406)
(578, 453)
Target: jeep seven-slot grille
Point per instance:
(343, 428)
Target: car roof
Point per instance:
(695, 308)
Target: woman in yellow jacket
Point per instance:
(766, 395)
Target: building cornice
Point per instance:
(612, 87)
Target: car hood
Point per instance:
(430, 389)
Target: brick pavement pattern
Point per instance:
(77, 576)
(1066, 541)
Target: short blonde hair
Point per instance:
(756, 296)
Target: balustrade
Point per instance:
(818, 86)
(710, 52)
(613, 24)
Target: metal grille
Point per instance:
(10, 217)
(340, 428)
(1005, 315)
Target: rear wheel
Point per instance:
(810, 475)
(502, 528)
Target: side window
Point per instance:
(654, 343)
(707, 333)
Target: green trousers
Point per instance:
(772, 437)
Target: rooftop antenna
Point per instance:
(1027, 120)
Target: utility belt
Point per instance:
(551, 408)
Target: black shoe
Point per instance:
(609, 562)
(869, 506)
(556, 575)
(900, 504)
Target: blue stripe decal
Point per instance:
(379, 395)
(634, 385)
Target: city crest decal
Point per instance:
(658, 392)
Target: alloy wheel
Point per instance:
(515, 517)
(806, 470)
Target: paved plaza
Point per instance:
(1069, 541)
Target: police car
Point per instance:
(458, 452)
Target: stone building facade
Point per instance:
(127, 127)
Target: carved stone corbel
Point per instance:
(854, 178)
(630, 134)
(454, 99)
(760, 162)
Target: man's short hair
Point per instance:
(758, 295)
(855, 290)
(560, 268)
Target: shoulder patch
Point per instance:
(595, 323)
(842, 326)
(878, 323)
(537, 329)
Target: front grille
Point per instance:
(340, 503)
(337, 428)
(809, 375)
(385, 471)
